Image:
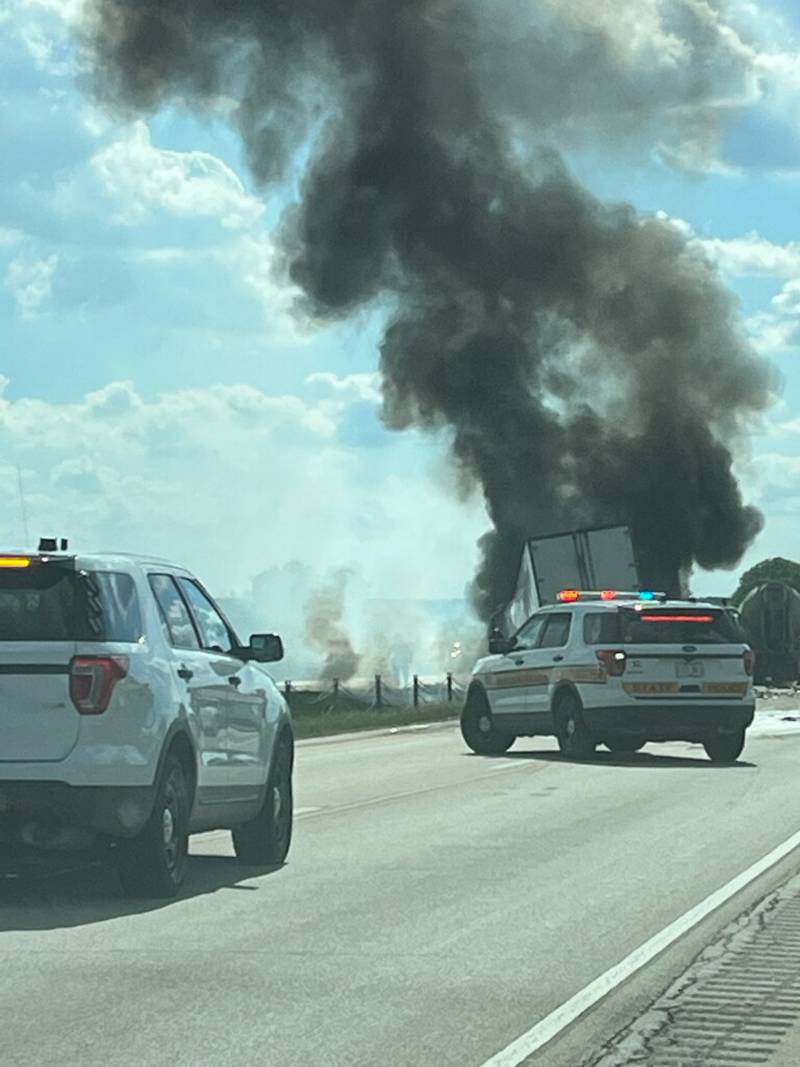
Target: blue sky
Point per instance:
(159, 393)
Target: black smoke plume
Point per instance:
(587, 361)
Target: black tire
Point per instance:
(478, 727)
(574, 740)
(153, 864)
(724, 748)
(622, 747)
(264, 841)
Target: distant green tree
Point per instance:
(776, 569)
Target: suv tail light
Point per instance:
(613, 660)
(92, 680)
(749, 658)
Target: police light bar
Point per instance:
(570, 596)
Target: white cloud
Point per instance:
(69, 11)
(788, 299)
(360, 386)
(142, 179)
(232, 480)
(29, 279)
(772, 335)
(636, 28)
(772, 332)
(10, 237)
(251, 258)
(777, 471)
(43, 29)
(753, 255)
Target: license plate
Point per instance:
(689, 670)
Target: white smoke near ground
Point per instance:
(325, 630)
(338, 625)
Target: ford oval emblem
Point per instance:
(690, 648)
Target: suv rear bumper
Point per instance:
(53, 807)
(668, 722)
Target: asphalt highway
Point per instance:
(436, 905)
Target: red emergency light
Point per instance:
(568, 596)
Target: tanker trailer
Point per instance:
(770, 615)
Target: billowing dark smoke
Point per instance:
(588, 362)
(324, 623)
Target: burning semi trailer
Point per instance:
(586, 362)
(579, 559)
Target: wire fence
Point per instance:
(372, 695)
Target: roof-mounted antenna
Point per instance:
(22, 508)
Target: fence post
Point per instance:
(449, 687)
(378, 692)
(416, 690)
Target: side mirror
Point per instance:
(265, 648)
(499, 644)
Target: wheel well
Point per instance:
(181, 747)
(565, 689)
(477, 690)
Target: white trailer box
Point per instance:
(601, 558)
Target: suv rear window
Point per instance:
(681, 626)
(37, 604)
(56, 603)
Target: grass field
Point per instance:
(346, 720)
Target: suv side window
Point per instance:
(112, 607)
(601, 628)
(528, 635)
(556, 630)
(177, 622)
(214, 631)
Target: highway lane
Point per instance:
(435, 906)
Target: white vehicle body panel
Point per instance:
(231, 727)
(671, 679)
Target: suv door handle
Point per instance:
(557, 659)
(185, 673)
(235, 680)
(519, 661)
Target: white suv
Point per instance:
(131, 714)
(618, 669)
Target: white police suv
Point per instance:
(131, 713)
(619, 669)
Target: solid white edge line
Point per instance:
(551, 1026)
